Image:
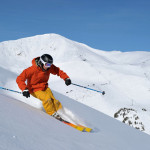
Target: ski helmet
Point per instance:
(46, 60)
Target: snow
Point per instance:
(25, 127)
(124, 76)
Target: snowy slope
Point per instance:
(124, 76)
(25, 127)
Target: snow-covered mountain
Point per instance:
(124, 76)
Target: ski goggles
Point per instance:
(47, 65)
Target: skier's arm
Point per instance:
(56, 71)
(22, 78)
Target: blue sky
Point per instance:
(122, 25)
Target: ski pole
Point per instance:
(103, 92)
(10, 90)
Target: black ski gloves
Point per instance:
(67, 81)
(26, 93)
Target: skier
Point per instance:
(37, 83)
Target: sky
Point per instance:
(122, 25)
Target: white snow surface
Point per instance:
(124, 76)
(26, 128)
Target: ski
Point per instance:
(77, 127)
(87, 129)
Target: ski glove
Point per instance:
(67, 81)
(26, 93)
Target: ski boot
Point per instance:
(56, 115)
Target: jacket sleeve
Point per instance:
(22, 78)
(56, 71)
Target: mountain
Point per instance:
(124, 76)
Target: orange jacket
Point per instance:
(36, 78)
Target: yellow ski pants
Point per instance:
(50, 104)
